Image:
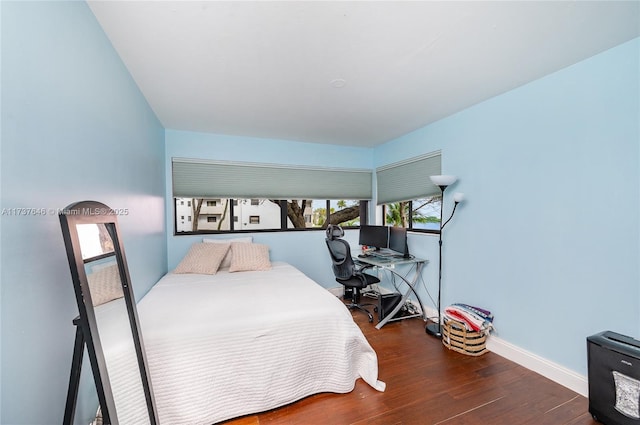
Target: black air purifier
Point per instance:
(614, 378)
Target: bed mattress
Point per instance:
(230, 344)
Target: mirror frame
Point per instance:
(92, 212)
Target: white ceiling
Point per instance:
(353, 73)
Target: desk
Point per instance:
(388, 264)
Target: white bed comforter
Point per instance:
(232, 344)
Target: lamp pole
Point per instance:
(435, 329)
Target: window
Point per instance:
(408, 197)
(257, 214)
(312, 213)
(267, 214)
(418, 214)
(276, 197)
(346, 213)
(283, 197)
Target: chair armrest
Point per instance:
(364, 267)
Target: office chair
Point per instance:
(345, 270)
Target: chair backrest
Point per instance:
(340, 251)
(334, 232)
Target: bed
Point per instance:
(229, 344)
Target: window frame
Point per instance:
(364, 218)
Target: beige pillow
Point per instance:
(226, 261)
(249, 256)
(105, 285)
(203, 258)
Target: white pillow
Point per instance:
(226, 261)
(249, 257)
(203, 258)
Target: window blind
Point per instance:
(196, 178)
(408, 179)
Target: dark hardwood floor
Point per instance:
(429, 384)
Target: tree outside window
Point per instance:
(421, 213)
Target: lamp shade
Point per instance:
(443, 181)
(458, 197)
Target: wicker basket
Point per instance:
(455, 336)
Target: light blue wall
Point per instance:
(1, 377)
(548, 237)
(74, 127)
(306, 250)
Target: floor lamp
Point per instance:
(442, 182)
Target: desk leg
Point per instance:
(405, 297)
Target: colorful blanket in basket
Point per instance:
(474, 318)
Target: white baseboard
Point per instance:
(557, 373)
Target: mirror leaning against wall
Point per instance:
(107, 324)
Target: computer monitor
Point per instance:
(374, 236)
(398, 241)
